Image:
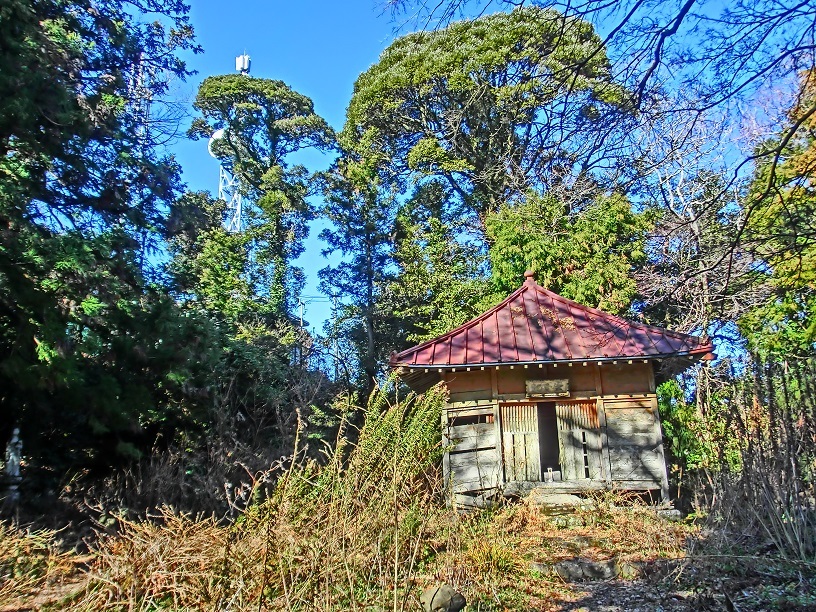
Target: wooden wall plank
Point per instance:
(637, 463)
(635, 441)
(605, 460)
(511, 381)
(473, 471)
(580, 440)
(469, 396)
(626, 378)
(471, 437)
(456, 411)
(475, 380)
(521, 451)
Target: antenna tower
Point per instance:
(140, 98)
(229, 188)
(229, 191)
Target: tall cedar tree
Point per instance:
(264, 123)
(86, 345)
(362, 219)
(587, 254)
(439, 281)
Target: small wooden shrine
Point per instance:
(545, 392)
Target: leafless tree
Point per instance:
(699, 278)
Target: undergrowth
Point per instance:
(30, 560)
(368, 529)
(341, 535)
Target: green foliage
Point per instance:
(399, 441)
(782, 199)
(682, 426)
(362, 219)
(244, 282)
(212, 268)
(586, 255)
(91, 379)
(473, 115)
(249, 366)
(698, 432)
(494, 105)
(82, 199)
(264, 123)
(438, 284)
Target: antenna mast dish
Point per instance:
(216, 136)
(242, 63)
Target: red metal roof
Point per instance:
(534, 325)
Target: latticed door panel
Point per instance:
(579, 438)
(520, 444)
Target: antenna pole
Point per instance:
(242, 63)
(229, 187)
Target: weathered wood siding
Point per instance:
(469, 386)
(608, 430)
(582, 379)
(626, 378)
(472, 463)
(579, 436)
(520, 441)
(635, 440)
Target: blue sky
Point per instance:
(318, 48)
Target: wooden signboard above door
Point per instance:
(558, 387)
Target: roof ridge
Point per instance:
(639, 338)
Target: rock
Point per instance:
(442, 599)
(579, 569)
(567, 521)
(542, 569)
(576, 570)
(629, 570)
(555, 501)
(670, 514)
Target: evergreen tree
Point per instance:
(587, 254)
(439, 280)
(781, 214)
(264, 123)
(362, 217)
(494, 106)
(86, 367)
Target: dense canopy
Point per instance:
(494, 105)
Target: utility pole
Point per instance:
(334, 336)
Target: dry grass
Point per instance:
(30, 562)
(347, 561)
(344, 535)
(499, 558)
(368, 530)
